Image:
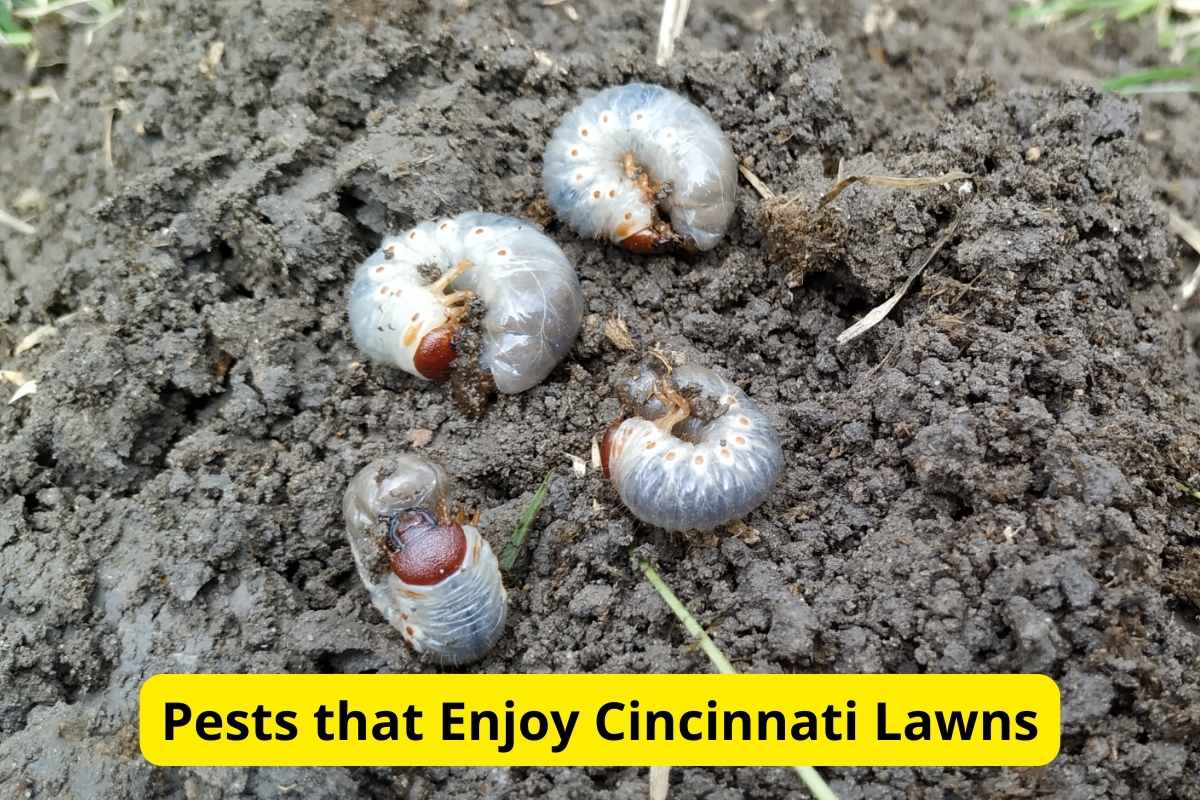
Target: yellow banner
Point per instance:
(599, 720)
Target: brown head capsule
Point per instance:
(421, 550)
(645, 241)
(437, 352)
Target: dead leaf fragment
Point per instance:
(36, 337)
(877, 314)
(618, 333)
(27, 388)
(419, 437)
(744, 532)
(212, 59)
(578, 465)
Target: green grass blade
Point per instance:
(1188, 490)
(1146, 78)
(1062, 9)
(812, 779)
(1135, 9)
(15, 38)
(512, 550)
(8, 25)
(718, 659)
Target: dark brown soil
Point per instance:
(987, 481)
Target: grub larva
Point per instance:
(693, 453)
(528, 287)
(630, 152)
(435, 580)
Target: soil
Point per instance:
(989, 480)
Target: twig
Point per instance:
(660, 782)
(674, 13)
(764, 191)
(888, 182)
(812, 779)
(20, 226)
(877, 314)
(1188, 288)
(109, 114)
(1190, 234)
(1184, 230)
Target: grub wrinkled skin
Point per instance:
(433, 579)
(630, 152)
(693, 453)
(530, 292)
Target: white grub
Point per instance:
(452, 609)
(529, 290)
(626, 160)
(690, 464)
